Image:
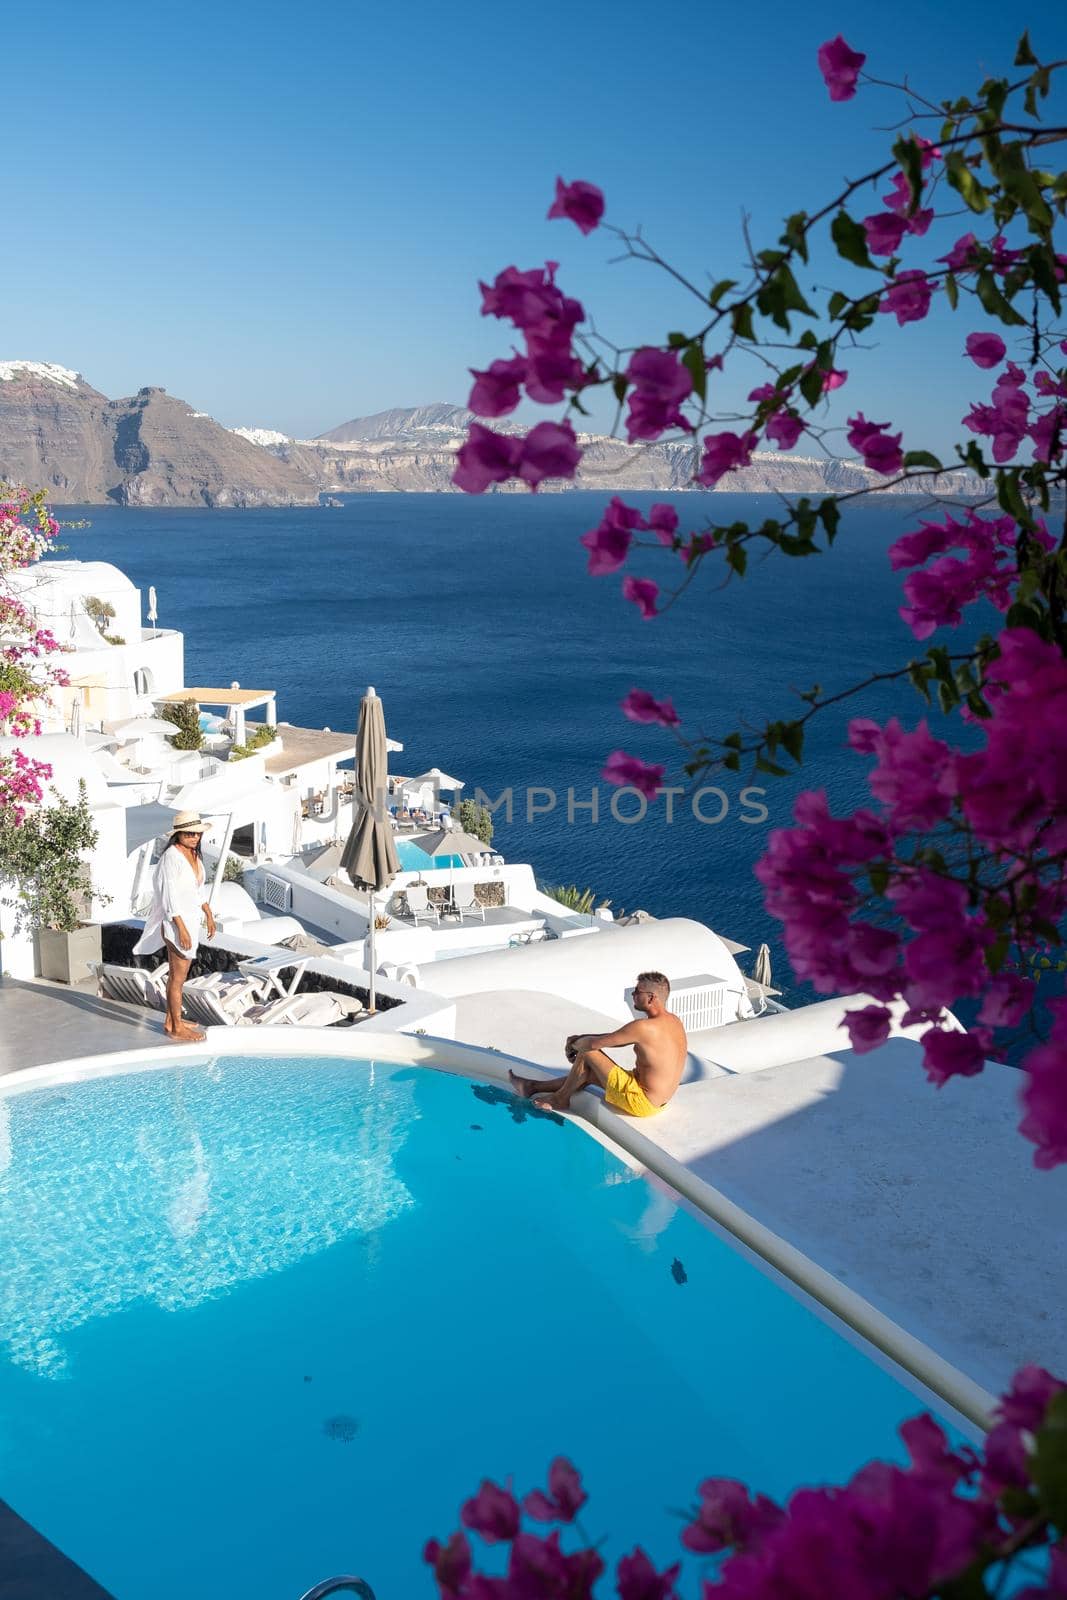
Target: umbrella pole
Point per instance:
(372, 964)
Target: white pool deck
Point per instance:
(923, 1202)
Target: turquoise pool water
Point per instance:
(264, 1322)
(412, 859)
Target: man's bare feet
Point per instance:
(549, 1102)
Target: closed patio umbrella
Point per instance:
(369, 856)
(761, 967)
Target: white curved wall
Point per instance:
(777, 1039)
(596, 970)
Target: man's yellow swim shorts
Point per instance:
(626, 1094)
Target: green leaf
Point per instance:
(793, 739)
(879, 878)
(1048, 1464)
(695, 364)
(741, 319)
(994, 302)
(1024, 55)
(922, 458)
(952, 291)
(677, 341)
(830, 512)
(797, 546)
(620, 383)
(917, 676)
(770, 767)
(723, 287)
(851, 241)
(737, 559)
(910, 156)
(795, 235)
(963, 180)
(835, 305)
(811, 386)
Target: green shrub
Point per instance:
(43, 856)
(185, 715)
(234, 870)
(260, 736)
(575, 899)
(114, 638)
(475, 819)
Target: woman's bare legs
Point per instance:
(174, 1025)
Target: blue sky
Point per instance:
(281, 214)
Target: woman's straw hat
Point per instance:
(189, 822)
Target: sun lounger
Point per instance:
(138, 986)
(220, 999)
(316, 1010)
(466, 902)
(421, 906)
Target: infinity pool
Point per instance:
(268, 1321)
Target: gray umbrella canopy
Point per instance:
(369, 856)
(761, 967)
(450, 842)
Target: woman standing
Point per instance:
(178, 908)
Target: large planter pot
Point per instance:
(68, 957)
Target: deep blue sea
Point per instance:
(499, 660)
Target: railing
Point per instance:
(335, 1585)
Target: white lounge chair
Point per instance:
(420, 906)
(137, 986)
(220, 999)
(316, 1010)
(466, 902)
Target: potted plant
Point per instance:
(42, 859)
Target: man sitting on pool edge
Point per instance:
(660, 1048)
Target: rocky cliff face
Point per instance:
(60, 434)
(412, 450)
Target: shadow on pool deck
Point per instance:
(33, 1569)
(42, 1022)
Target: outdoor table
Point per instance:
(271, 968)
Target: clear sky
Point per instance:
(280, 212)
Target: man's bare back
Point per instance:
(660, 1049)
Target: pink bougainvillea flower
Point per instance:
(496, 390)
(451, 1563)
(609, 542)
(1045, 1098)
(986, 349)
(784, 429)
(640, 706)
(663, 522)
(953, 1055)
(884, 231)
(867, 1028)
(964, 254)
(643, 592)
(660, 383)
(565, 1496)
(833, 379)
(630, 772)
(840, 67)
(484, 458)
(493, 1512)
(880, 450)
(729, 1517)
(723, 453)
(637, 1579)
(908, 297)
(550, 450)
(582, 203)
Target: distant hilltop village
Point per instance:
(59, 433)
